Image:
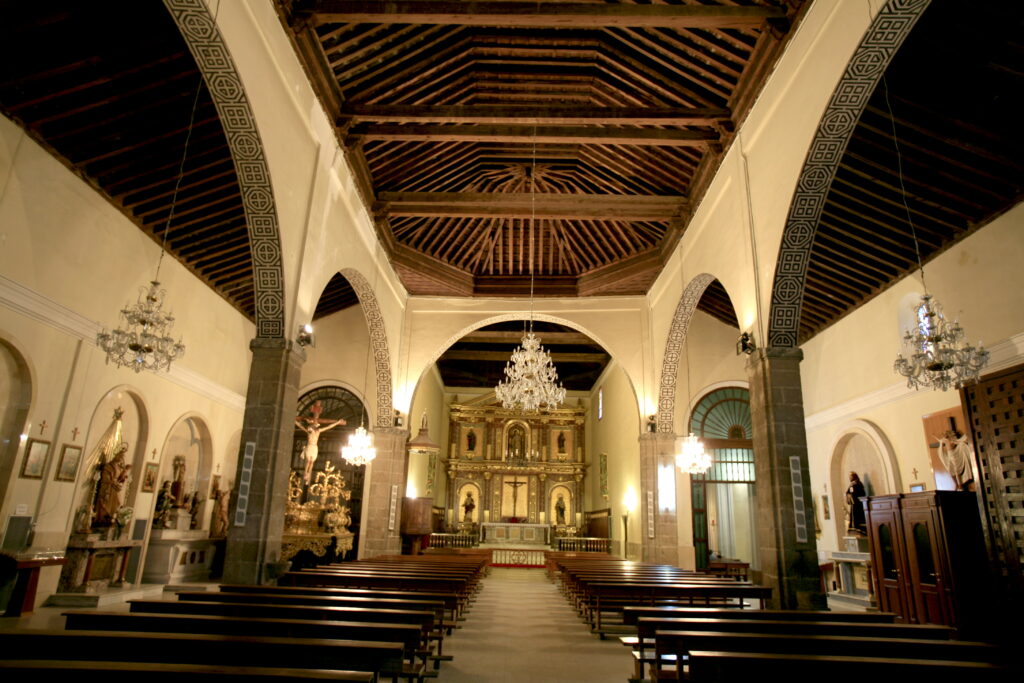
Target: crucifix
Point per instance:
(74, 433)
(314, 426)
(42, 427)
(515, 484)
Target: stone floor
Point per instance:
(522, 629)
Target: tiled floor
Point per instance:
(522, 629)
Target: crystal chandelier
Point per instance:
(530, 375)
(360, 449)
(692, 458)
(939, 356)
(144, 342)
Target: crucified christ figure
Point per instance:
(314, 427)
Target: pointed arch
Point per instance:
(378, 342)
(867, 66)
(208, 48)
(676, 337)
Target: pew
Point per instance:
(166, 672)
(211, 649)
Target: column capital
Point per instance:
(780, 352)
(265, 344)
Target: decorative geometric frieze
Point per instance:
(378, 344)
(212, 57)
(883, 38)
(676, 337)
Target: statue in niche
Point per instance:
(468, 506)
(114, 475)
(164, 505)
(471, 441)
(561, 442)
(219, 521)
(178, 494)
(955, 454)
(516, 442)
(560, 510)
(855, 520)
(313, 426)
(193, 510)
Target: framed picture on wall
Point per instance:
(67, 466)
(149, 477)
(35, 459)
(917, 488)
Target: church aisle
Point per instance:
(522, 629)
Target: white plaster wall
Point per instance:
(617, 435)
(340, 358)
(431, 400)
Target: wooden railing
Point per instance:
(582, 544)
(453, 540)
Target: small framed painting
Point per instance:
(67, 466)
(35, 459)
(916, 488)
(149, 477)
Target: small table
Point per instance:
(23, 598)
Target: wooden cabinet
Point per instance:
(928, 557)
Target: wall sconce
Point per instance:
(306, 337)
(745, 344)
(652, 423)
(400, 421)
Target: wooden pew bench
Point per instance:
(170, 672)
(408, 635)
(713, 666)
(212, 649)
(613, 597)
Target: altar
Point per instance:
(502, 532)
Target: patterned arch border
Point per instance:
(867, 66)
(378, 342)
(676, 337)
(214, 60)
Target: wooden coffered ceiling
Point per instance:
(563, 140)
(615, 113)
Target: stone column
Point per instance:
(386, 471)
(656, 450)
(255, 529)
(788, 552)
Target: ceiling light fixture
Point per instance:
(692, 458)
(939, 356)
(144, 340)
(530, 375)
(360, 449)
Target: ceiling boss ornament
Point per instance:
(531, 380)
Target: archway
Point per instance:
(378, 344)
(15, 400)
(863, 448)
(673, 346)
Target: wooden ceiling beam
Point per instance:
(618, 135)
(537, 14)
(520, 205)
(506, 114)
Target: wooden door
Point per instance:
(888, 557)
(926, 568)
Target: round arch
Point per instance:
(199, 29)
(16, 404)
(882, 449)
(883, 38)
(673, 345)
(378, 342)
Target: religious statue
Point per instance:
(467, 507)
(855, 511)
(114, 474)
(515, 442)
(178, 495)
(219, 521)
(560, 510)
(561, 442)
(164, 505)
(471, 440)
(955, 453)
(193, 510)
(313, 427)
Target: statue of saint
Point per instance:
(178, 494)
(219, 521)
(855, 511)
(471, 440)
(164, 504)
(516, 447)
(313, 427)
(955, 453)
(468, 506)
(114, 474)
(560, 510)
(561, 442)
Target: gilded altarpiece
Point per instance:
(523, 468)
